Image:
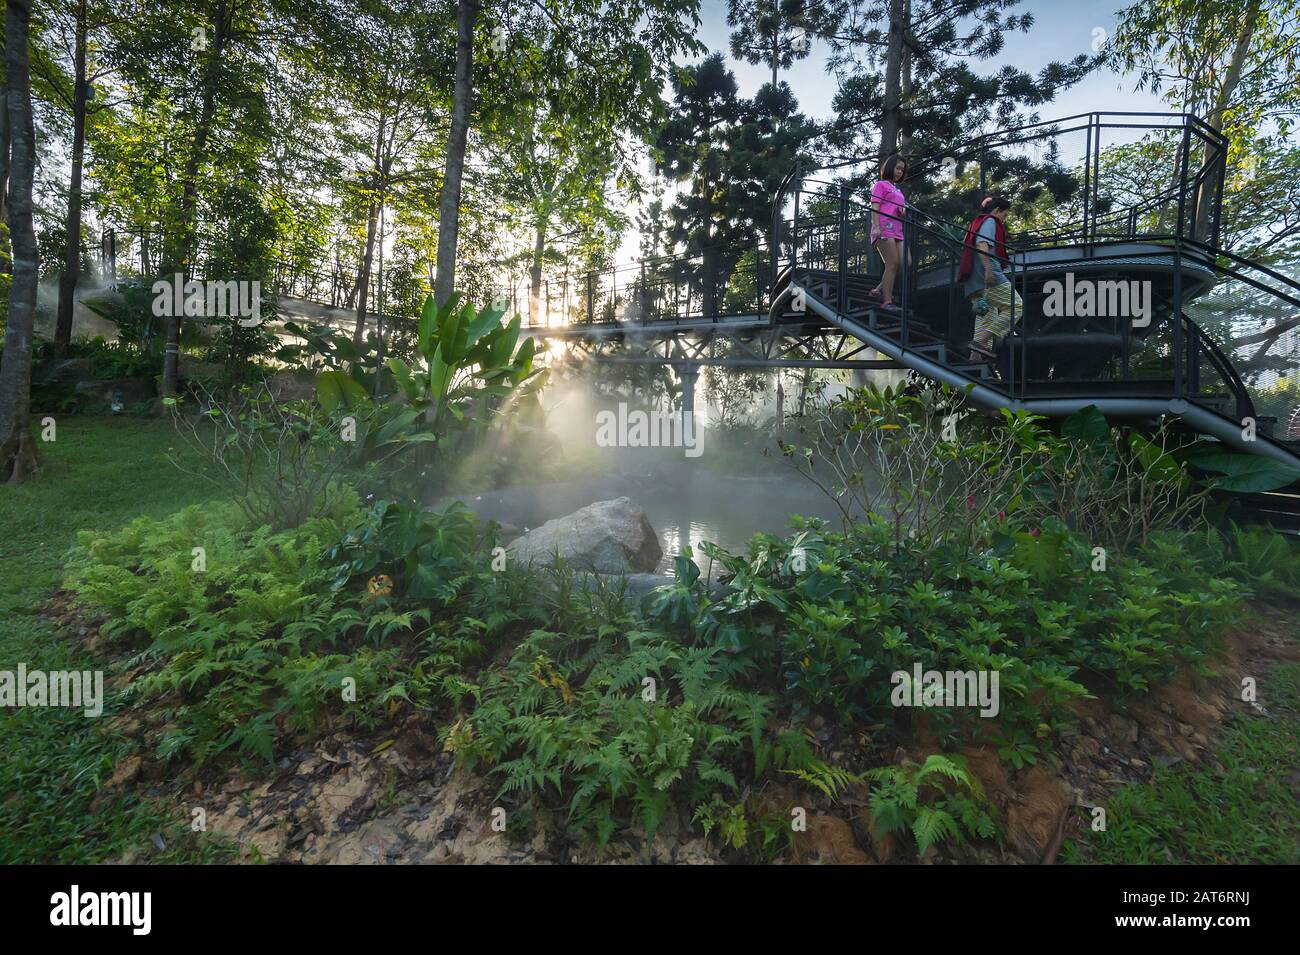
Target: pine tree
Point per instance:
(907, 82)
(776, 33)
(731, 154)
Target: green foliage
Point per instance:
(241, 349)
(1030, 606)
(734, 152)
(254, 637)
(237, 638)
(428, 555)
(765, 833)
(470, 359)
(1268, 562)
(1238, 472)
(920, 460)
(570, 717)
(475, 370)
(119, 359)
(936, 802)
(131, 310)
(826, 779)
(280, 462)
(1115, 486)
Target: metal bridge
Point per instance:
(803, 302)
(807, 305)
(799, 299)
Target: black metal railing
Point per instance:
(1164, 352)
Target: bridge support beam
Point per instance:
(689, 375)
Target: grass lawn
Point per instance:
(99, 474)
(1245, 812)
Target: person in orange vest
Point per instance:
(984, 261)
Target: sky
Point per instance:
(1062, 30)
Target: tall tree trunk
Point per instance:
(362, 288)
(890, 116)
(1222, 100)
(535, 273)
(72, 231)
(449, 201)
(372, 226)
(5, 261)
(1232, 76)
(181, 254)
(17, 449)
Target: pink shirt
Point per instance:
(888, 198)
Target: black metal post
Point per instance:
(953, 266)
(1087, 179)
(904, 302)
(843, 287)
(1024, 328)
(1222, 183)
(1178, 264)
(1096, 181)
(794, 223)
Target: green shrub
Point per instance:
(245, 633)
(236, 627)
(280, 462)
(1267, 561)
(1029, 606)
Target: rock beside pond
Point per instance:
(608, 537)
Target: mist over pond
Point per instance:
(686, 502)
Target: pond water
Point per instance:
(685, 504)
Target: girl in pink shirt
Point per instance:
(887, 207)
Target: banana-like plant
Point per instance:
(470, 356)
(473, 365)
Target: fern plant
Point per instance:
(935, 802)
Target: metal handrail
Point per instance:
(1087, 227)
(1191, 343)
